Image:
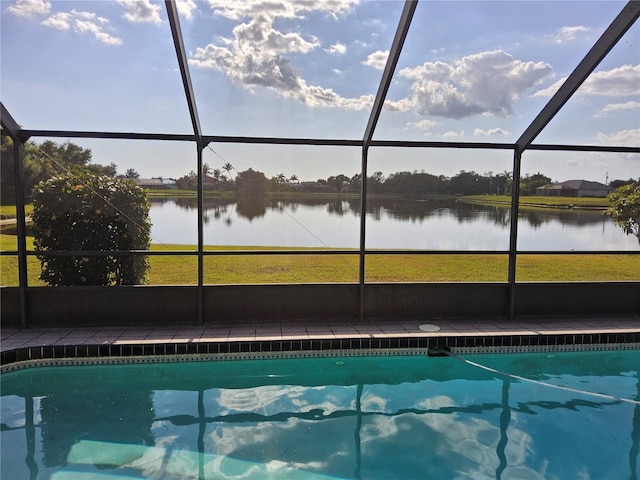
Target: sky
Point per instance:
(470, 71)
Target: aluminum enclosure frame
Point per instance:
(627, 17)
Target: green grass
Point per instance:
(340, 268)
(9, 211)
(539, 201)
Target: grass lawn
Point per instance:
(9, 211)
(339, 268)
(539, 201)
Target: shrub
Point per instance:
(625, 208)
(85, 212)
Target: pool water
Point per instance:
(375, 417)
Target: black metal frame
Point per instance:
(605, 43)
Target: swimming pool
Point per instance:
(404, 417)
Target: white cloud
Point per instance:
(574, 163)
(91, 27)
(623, 138)
(423, 124)
(479, 132)
(238, 10)
(570, 34)
(618, 107)
(60, 20)
(141, 11)
(483, 83)
(452, 134)
(186, 8)
(29, 8)
(377, 59)
(256, 56)
(617, 82)
(337, 49)
(83, 22)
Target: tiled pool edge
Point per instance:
(220, 350)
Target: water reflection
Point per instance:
(256, 206)
(392, 417)
(393, 222)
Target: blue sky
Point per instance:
(470, 71)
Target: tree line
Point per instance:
(410, 183)
(49, 159)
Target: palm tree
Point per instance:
(227, 167)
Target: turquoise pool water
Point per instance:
(404, 417)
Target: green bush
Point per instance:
(85, 212)
(625, 209)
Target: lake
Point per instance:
(392, 223)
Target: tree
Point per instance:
(621, 183)
(92, 213)
(131, 173)
(625, 209)
(468, 183)
(251, 182)
(7, 172)
(339, 183)
(44, 161)
(110, 170)
(503, 183)
(529, 183)
(227, 167)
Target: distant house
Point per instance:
(150, 183)
(210, 183)
(169, 183)
(575, 188)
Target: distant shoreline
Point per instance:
(563, 203)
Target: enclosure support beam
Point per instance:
(176, 32)
(381, 95)
(21, 229)
(363, 230)
(13, 129)
(605, 43)
(178, 41)
(200, 239)
(9, 124)
(513, 234)
(389, 68)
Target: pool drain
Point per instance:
(429, 327)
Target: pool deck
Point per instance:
(12, 339)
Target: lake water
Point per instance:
(391, 224)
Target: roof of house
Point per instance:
(148, 182)
(584, 185)
(209, 180)
(578, 185)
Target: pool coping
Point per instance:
(134, 352)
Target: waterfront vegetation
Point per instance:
(9, 211)
(340, 268)
(538, 201)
